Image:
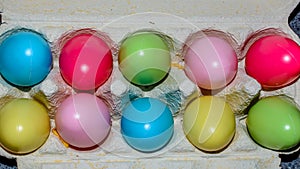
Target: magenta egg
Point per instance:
(85, 60)
(274, 61)
(83, 120)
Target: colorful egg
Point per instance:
(24, 126)
(274, 61)
(209, 123)
(147, 124)
(210, 62)
(83, 120)
(144, 58)
(85, 61)
(274, 122)
(25, 58)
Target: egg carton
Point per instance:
(178, 20)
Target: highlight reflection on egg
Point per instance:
(85, 60)
(144, 58)
(209, 123)
(25, 57)
(274, 122)
(274, 61)
(24, 126)
(210, 62)
(83, 120)
(147, 124)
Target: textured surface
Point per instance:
(177, 19)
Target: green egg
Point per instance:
(274, 123)
(144, 58)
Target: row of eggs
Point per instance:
(85, 62)
(83, 121)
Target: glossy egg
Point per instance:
(85, 61)
(210, 62)
(274, 61)
(209, 123)
(144, 58)
(274, 122)
(24, 126)
(83, 120)
(147, 124)
(25, 58)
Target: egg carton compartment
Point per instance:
(177, 20)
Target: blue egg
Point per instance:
(25, 58)
(147, 124)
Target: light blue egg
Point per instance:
(147, 124)
(25, 58)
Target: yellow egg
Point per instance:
(24, 126)
(209, 123)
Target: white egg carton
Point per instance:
(177, 19)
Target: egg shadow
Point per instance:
(148, 88)
(22, 88)
(92, 91)
(252, 103)
(216, 91)
(280, 87)
(84, 149)
(208, 92)
(98, 145)
(217, 151)
(152, 151)
(289, 157)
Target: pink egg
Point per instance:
(83, 120)
(210, 62)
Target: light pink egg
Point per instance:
(210, 62)
(83, 120)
